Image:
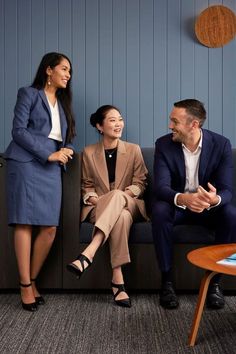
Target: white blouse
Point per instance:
(55, 132)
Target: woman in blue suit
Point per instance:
(43, 129)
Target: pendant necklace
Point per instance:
(110, 152)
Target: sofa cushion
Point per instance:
(141, 232)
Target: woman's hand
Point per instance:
(62, 156)
(128, 191)
(67, 151)
(93, 200)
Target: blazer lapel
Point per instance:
(180, 164)
(121, 163)
(45, 101)
(205, 156)
(101, 166)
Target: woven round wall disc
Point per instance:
(216, 26)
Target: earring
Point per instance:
(49, 81)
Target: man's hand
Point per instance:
(193, 202)
(208, 196)
(200, 200)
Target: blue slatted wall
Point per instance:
(140, 55)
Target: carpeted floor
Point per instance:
(91, 323)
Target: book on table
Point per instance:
(230, 260)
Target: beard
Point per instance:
(177, 137)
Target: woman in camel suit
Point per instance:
(113, 182)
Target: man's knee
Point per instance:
(162, 212)
(228, 214)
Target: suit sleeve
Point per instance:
(162, 177)
(222, 178)
(20, 132)
(88, 187)
(139, 180)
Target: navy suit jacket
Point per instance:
(32, 125)
(215, 166)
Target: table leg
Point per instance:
(200, 305)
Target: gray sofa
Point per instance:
(72, 237)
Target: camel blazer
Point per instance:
(130, 173)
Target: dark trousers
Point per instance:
(165, 216)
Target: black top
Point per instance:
(111, 155)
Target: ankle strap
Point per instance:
(119, 287)
(82, 258)
(33, 279)
(25, 285)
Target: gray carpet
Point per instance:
(91, 323)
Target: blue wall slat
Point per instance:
(119, 58)
(215, 90)
(79, 79)
(105, 52)
(2, 74)
(64, 27)
(146, 73)
(160, 69)
(229, 84)
(38, 33)
(24, 46)
(133, 71)
(201, 63)
(187, 49)
(11, 58)
(229, 92)
(173, 59)
(92, 66)
(215, 97)
(51, 25)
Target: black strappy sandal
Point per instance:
(123, 302)
(39, 299)
(75, 270)
(28, 307)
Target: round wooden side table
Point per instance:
(207, 258)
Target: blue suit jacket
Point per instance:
(32, 125)
(215, 166)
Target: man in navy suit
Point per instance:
(192, 185)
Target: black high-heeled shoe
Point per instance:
(28, 307)
(123, 302)
(39, 299)
(75, 270)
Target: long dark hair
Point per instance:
(64, 95)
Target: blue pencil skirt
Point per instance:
(33, 193)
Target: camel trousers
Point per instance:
(113, 215)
